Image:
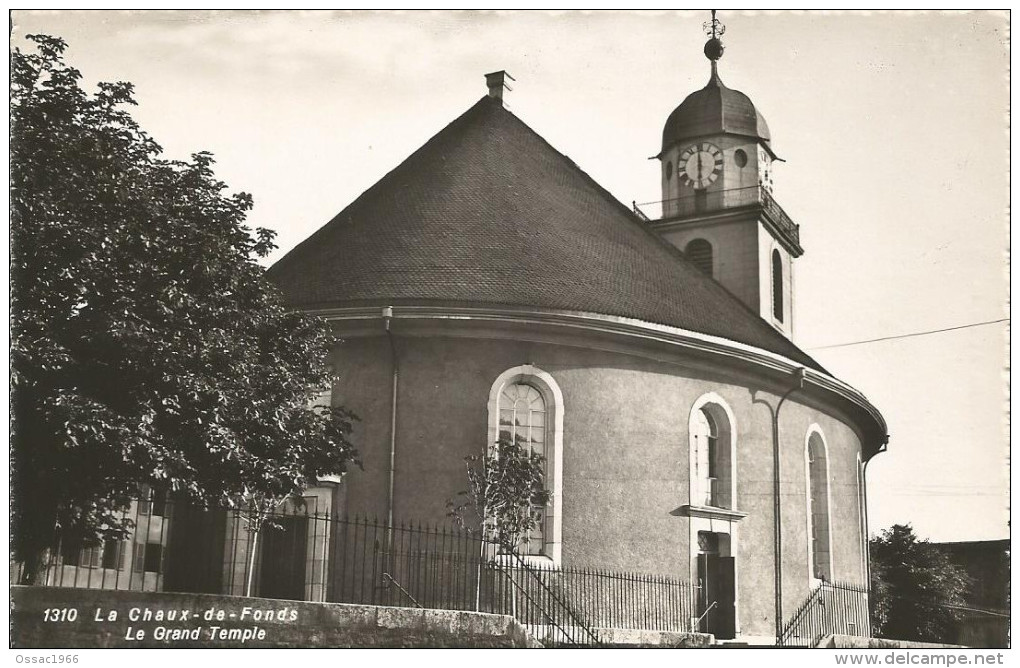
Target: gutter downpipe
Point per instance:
(867, 531)
(799, 376)
(387, 316)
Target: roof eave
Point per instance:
(873, 428)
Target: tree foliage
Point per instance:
(915, 588)
(506, 486)
(146, 344)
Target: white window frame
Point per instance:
(553, 397)
(814, 429)
(710, 400)
(138, 557)
(91, 557)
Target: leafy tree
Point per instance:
(146, 344)
(915, 588)
(506, 486)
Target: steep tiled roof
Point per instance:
(488, 213)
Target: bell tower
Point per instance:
(718, 206)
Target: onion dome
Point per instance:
(715, 109)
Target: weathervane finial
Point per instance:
(714, 28)
(714, 46)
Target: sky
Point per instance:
(893, 127)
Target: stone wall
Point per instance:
(41, 618)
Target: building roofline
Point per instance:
(758, 328)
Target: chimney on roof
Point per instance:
(496, 81)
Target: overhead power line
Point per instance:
(912, 334)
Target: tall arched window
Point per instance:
(777, 285)
(819, 540)
(711, 453)
(706, 462)
(522, 420)
(526, 405)
(699, 252)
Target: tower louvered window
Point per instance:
(777, 286)
(699, 252)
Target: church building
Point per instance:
(487, 285)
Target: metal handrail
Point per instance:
(408, 595)
(811, 617)
(524, 565)
(801, 613)
(733, 198)
(529, 599)
(747, 195)
(697, 622)
(779, 216)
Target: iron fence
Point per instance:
(834, 608)
(301, 552)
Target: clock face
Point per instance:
(699, 165)
(765, 170)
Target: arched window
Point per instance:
(522, 420)
(777, 285)
(711, 448)
(706, 462)
(819, 540)
(526, 405)
(699, 252)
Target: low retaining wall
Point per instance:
(56, 617)
(662, 639)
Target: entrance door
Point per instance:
(716, 577)
(284, 548)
